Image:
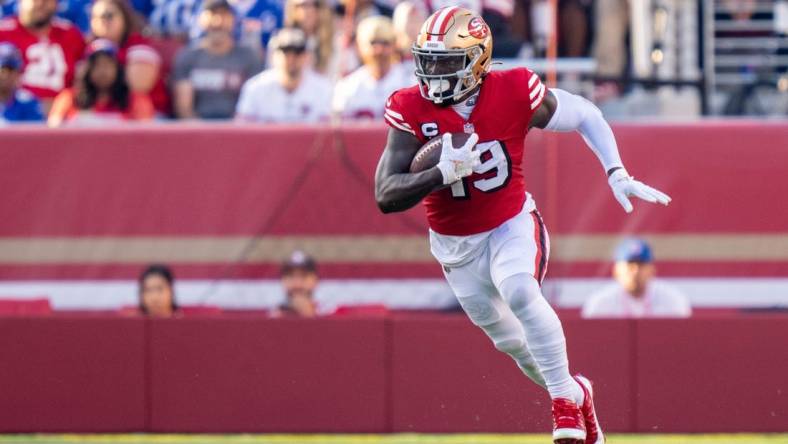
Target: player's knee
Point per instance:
(520, 290)
(480, 309)
(510, 346)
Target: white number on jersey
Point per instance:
(496, 160)
(46, 66)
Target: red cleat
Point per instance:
(568, 422)
(594, 433)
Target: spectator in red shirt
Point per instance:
(114, 20)
(156, 292)
(103, 95)
(50, 46)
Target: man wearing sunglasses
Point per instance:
(289, 91)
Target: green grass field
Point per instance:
(381, 439)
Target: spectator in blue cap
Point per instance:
(16, 104)
(636, 294)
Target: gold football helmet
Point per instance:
(453, 53)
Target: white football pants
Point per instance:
(500, 292)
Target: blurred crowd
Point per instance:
(83, 61)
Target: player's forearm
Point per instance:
(574, 113)
(400, 192)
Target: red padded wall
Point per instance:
(74, 374)
(728, 375)
(447, 377)
(225, 375)
(201, 183)
(404, 374)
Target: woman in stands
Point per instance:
(156, 293)
(102, 94)
(316, 19)
(114, 20)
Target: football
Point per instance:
(430, 153)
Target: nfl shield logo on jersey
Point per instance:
(468, 128)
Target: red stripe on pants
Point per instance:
(537, 241)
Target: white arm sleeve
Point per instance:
(575, 113)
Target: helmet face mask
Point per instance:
(446, 76)
(452, 55)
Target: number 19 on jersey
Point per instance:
(493, 157)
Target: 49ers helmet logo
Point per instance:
(477, 28)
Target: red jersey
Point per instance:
(65, 110)
(506, 102)
(50, 59)
(137, 47)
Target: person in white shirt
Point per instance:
(289, 92)
(363, 93)
(636, 294)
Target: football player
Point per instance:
(484, 226)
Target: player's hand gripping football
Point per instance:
(624, 186)
(456, 163)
